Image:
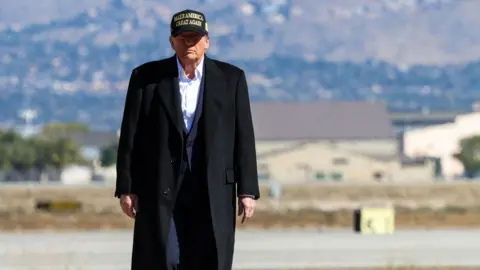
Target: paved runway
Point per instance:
(254, 249)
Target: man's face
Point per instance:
(189, 46)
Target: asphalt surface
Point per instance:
(254, 249)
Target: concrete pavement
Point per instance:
(254, 249)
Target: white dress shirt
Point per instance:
(189, 89)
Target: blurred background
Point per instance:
(357, 104)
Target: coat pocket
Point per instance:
(230, 176)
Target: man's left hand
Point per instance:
(246, 207)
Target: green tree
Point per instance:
(60, 152)
(22, 155)
(64, 129)
(15, 153)
(5, 161)
(108, 155)
(38, 152)
(9, 136)
(469, 155)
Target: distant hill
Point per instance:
(400, 31)
(71, 59)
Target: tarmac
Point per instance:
(255, 249)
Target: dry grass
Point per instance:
(300, 206)
(457, 193)
(322, 197)
(264, 220)
(452, 194)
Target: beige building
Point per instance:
(331, 141)
(442, 141)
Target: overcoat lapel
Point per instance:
(215, 95)
(214, 99)
(169, 92)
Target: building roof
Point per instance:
(322, 120)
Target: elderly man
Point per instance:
(186, 152)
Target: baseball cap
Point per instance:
(188, 20)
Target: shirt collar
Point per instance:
(198, 70)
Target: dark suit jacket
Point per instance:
(151, 147)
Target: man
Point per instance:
(186, 152)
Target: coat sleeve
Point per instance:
(128, 130)
(245, 153)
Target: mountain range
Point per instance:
(70, 60)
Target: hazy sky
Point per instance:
(26, 12)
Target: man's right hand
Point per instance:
(129, 204)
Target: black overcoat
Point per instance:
(151, 148)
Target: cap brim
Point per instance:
(187, 28)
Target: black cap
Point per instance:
(188, 20)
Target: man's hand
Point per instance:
(129, 204)
(246, 207)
